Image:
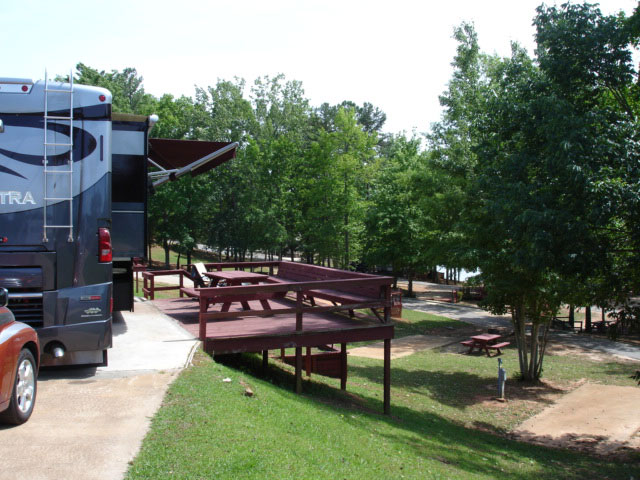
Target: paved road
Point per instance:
(472, 315)
(483, 319)
(88, 423)
(604, 345)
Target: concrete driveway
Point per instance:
(88, 423)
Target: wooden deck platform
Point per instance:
(260, 333)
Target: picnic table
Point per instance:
(486, 342)
(238, 277)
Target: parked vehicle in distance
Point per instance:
(19, 363)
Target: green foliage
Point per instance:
(393, 218)
(556, 139)
(126, 87)
(532, 174)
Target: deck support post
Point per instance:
(299, 299)
(298, 370)
(387, 302)
(343, 366)
(202, 323)
(387, 376)
(307, 362)
(265, 359)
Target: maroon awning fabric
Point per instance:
(172, 154)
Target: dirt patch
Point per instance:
(595, 418)
(401, 347)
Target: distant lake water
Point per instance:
(464, 274)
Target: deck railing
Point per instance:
(219, 266)
(149, 287)
(301, 289)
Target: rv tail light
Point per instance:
(102, 98)
(105, 252)
(111, 305)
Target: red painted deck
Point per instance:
(271, 321)
(254, 333)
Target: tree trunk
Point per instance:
(572, 316)
(410, 278)
(543, 348)
(346, 241)
(587, 319)
(531, 371)
(517, 319)
(165, 245)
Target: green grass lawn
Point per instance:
(157, 255)
(442, 416)
(137, 292)
(414, 322)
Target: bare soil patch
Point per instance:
(401, 347)
(595, 418)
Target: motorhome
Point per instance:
(74, 185)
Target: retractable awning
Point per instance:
(175, 158)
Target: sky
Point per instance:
(395, 54)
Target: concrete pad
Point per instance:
(602, 416)
(402, 347)
(146, 339)
(83, 428)
(88, 423)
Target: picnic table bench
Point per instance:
(289, 272)
(485, 342)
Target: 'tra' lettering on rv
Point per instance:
(16, 198)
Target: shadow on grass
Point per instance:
(626, 370)
(404, 327)
(456, 389)
(431, 436)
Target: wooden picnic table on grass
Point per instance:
(486, 342)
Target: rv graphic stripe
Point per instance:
(92, 112)
(84, 144)
(10, 172)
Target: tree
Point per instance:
(126, 87)
(588, 58)
(551, 153)
(349, 152)
(392, 222)
(442, 182)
